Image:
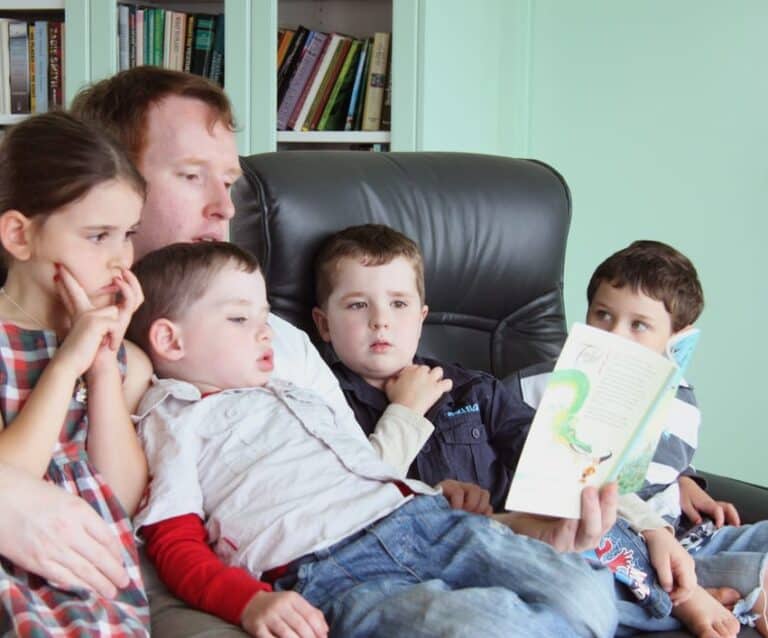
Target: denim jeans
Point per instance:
(625, 554)
(732, 557)
(735, 557)
(428, 570)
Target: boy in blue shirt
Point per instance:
(370, 296)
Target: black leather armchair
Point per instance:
(493, 231)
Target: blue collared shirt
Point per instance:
(480, 427)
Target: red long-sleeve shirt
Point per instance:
(192, 571)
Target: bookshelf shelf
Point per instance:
(31, 5)
(334, 137)
(7, 119)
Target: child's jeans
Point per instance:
(428, 570)
(735, 557)
(625, 554)
(731, 557)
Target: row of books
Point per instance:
(192, 42)
(332, 82)
(31, 65)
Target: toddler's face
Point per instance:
(631, 314)
(373, 317)
(226, 340)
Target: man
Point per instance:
(178, 129)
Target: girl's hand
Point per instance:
(87, 338)
(77, 304)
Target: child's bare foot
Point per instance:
(726, 596)
(705, 617)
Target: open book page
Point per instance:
(602, 392)
(632, 468)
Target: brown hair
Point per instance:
(659, 271)
(120, 103)
(374, 245)
(54, 159)
(174, 276)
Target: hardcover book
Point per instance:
(310, 56)
(377, 83)
(18, 55)
(600, 419)
(335, 111)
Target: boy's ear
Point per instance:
(424, 312)
(321, 322)
(165, 340)
(15, 229)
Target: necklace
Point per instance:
(81, 391)
(29, 316)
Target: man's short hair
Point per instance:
(174, 276)
(120, 103)
(659, 271)
(373, 245)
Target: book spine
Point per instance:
(188, 42)
(377, 81)
(178, 31)
(31, 49)
(41, 66)
(5, 69)
(131, 38)
(217, 54)
(149, 36)
(54, 64)
(159, 37)
(167, 34)
(123, 36)
(202, 44)
(320, 69)
(325, 122)
(283, 44)
(139, 39)
(313, 49)
(363, 89)
(288, 67)
(18, 59)
(356, 87)
(325, 87)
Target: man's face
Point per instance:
(631, 314)
(224, 335)
(373, 317)
(189, 167)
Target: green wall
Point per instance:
(656, 113)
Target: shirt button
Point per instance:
(231, 413)
(475, 433)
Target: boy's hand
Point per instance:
(675, 568)
(467, 496)
(695, 502)
(417, 387)
(598, 515)
(283, 614)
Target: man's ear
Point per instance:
(165, 340)
(321, 322)
(15, 234)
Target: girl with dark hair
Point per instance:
(69, 202)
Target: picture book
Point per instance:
(600, 419)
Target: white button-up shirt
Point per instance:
(273, 471)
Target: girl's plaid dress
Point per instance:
(29, 606)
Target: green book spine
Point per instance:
(341, 92)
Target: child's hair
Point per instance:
(174, 276)
(54, 159)
(374, 245)
(659, 271)
(120, 103)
